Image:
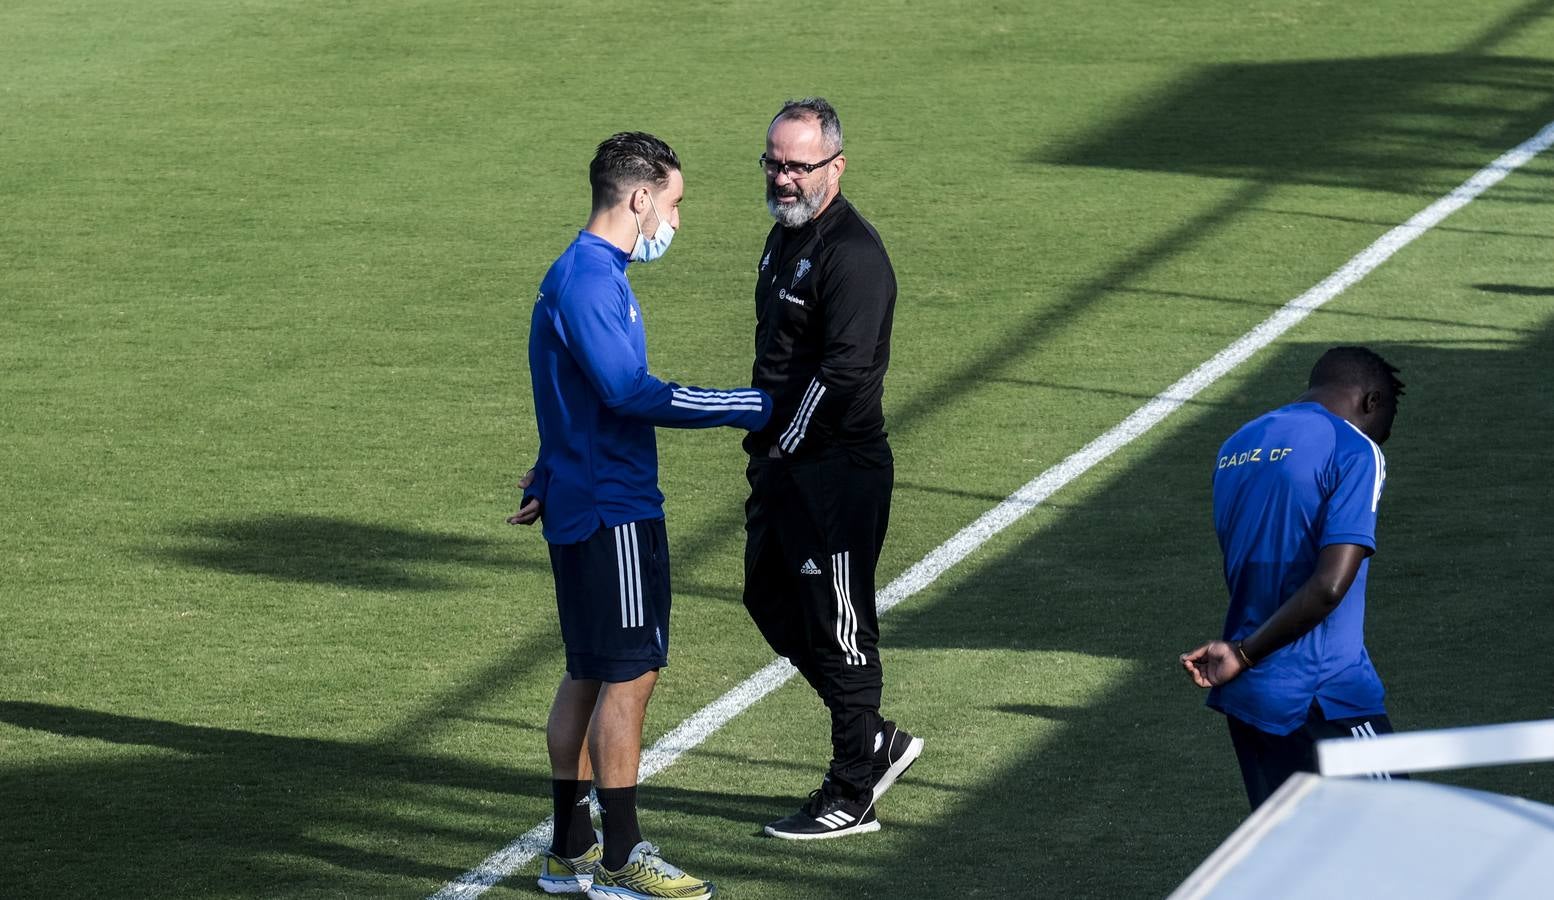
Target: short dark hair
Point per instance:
(1359, 367)
(818, 109)
(625, 161)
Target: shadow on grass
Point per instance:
(1328, 311)
(1518, 290)
(1350, 122)
(1042, 711)
(1445, 227)
(1132, 793)
(741, 811)
(1404, 124)
(338, 552)
(1140, 786)
(1474, 107)
(204, 811)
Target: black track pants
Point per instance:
(814, 529)
(1268, 760)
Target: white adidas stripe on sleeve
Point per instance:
(794, 434)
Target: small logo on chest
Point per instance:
(782, 294)
(800, 271)
(766, 260)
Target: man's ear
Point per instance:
(1370, 402)
(638, 200)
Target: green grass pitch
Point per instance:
(266, 268)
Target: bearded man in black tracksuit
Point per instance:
(821, 471)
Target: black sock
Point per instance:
(574, 826)
(619, 811)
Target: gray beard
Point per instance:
(795, 215)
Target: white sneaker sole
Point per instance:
(898, 768)
(565, 885)
(861, 828)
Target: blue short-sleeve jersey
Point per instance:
(597, 404)
(1286, 485)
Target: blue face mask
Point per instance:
(647, 248)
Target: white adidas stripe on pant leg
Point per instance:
(847, 582)
(622, 577)
(715, 715)
(628, 569)
(846, 613)
(1366, 732)
(636, 576)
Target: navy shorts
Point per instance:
(1268, 760)
(612, 594)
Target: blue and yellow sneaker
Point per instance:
(563, 875)
(647, 876)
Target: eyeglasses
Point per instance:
(793, 169)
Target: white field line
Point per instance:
(710, 718)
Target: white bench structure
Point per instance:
(1336, 835)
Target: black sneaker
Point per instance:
(895, 749)
(826, 815)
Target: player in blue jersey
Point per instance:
(595, 487)
(1295, 498)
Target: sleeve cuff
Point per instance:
(1359, 540)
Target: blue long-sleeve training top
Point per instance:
(597, 405)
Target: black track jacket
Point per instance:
(824, 298)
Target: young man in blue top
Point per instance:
(1295, 498)
(595, 485)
